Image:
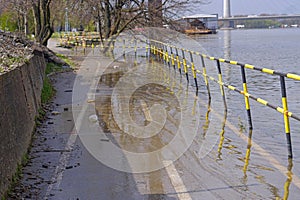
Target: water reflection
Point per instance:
(288, 180)
(207, 121)
(227, 54)
(140, 104)
(248, 152)
(222, 137)
(142, 99)
(274, 190)
(227, 44)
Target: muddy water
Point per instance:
(224, 156)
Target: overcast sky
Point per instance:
(253, 7)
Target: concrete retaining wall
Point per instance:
(20, 92)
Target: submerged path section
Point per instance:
(119, 157)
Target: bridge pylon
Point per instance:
(226, 9)
(227, 14)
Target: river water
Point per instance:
(276, 49)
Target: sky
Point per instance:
(252, 7)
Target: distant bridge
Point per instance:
(229, 20)
(254, 17)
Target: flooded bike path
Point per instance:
(145, 134)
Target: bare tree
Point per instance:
(114, 16)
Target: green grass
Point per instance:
(66, 59)
(48, 90)
(51, 68)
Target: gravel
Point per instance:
(14, 51)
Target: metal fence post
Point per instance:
(247, 104)
(178, 61)
(193, 70)
(221, 83)
(286, 116)
(205, 78)
(185, 65)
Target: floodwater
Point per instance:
(143, 105)
(276, 49)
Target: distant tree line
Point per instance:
(109, 17)
(259, 23)
(267, 23)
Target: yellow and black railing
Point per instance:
(183, 61)
(176, 56)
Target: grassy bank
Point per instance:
(48, 91)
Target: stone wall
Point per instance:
(20, 99)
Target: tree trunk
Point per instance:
(107, 19)
(37, 19)
(42, 21)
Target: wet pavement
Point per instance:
(133, 129)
